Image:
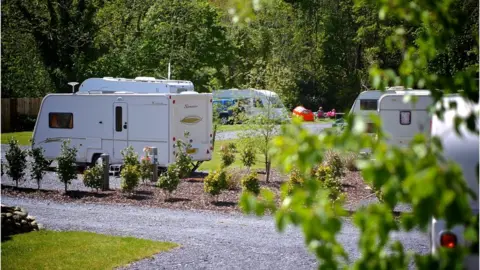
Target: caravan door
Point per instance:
(120, 129)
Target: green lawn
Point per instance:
(22, 137)
(75, 250)
(237, 127)
(216, 160)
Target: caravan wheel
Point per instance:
(95, 157)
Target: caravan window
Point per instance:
(118, 118)
(368, 104)
(405, 117)
(60, 120)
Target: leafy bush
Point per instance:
(183, 160)
(39, 164)
(250, 183)
(130, 157)
(294, 180)
(16, 161)
(215, 182)
(326, 176)
(335, 162)
(130, 176)
(248, 155)
(170, 179)
(232, 146)
(67, 169)
(350, 160)
(227, 155)
(93, 177)
(145, 168)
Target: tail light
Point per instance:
(448, 240)
(174, 139)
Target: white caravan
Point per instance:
(367, 102)
(402, 120)
(137, 85)
(464, 150)
(255, 101)
(108, 123)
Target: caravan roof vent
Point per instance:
(145, 79)
(398, 88)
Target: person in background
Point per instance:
(320, 112)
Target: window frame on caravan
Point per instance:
(365, 102)
(118, 116)
(409, 118)
(57, 122)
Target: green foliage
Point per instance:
(130, 157)
(215, 182)
(250, 183)
(145, 168)
(350, 161)
(183, 160)
(39, 164)
(67, 169)
(93, 177)
(130, 176)
(16, 161)
(170, 179)
(336, 163)
(330, 181)
(227, 154)
(248, 154)
(295, 179)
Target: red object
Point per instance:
(174, 101)
(173, 138)
(448, 240)
(305, 114)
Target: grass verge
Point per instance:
(75, 250)
(22, 137)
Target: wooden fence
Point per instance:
(13, 109)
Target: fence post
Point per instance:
(106, 169)
(154, 164)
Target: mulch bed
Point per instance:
(188, 196)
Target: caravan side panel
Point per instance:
(401, 121)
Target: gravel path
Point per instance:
(208, 240)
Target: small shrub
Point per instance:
(169, 180)
(349, 161)
(294, 180)
(234, 180)
(39, 164)
(183, 160)
(326, 176)
(250, 183)
(16, 161)
(215, 182)
(93, 177)
(335, 162)
(130, 157)
(67, 169)
(130, 176)
(145, 168)
(227, 155)
(248, 155)
(232, 146)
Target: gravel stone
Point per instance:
(207, 240)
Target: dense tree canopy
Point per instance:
(311, 52)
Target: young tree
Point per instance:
(39, 164)
(67, 169)
(16, 161)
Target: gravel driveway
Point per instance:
(208, 240)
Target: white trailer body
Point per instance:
(256, 101)
(366, 103)
(137, 85)
(402, 120)
(108, 123)
(464, 150)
